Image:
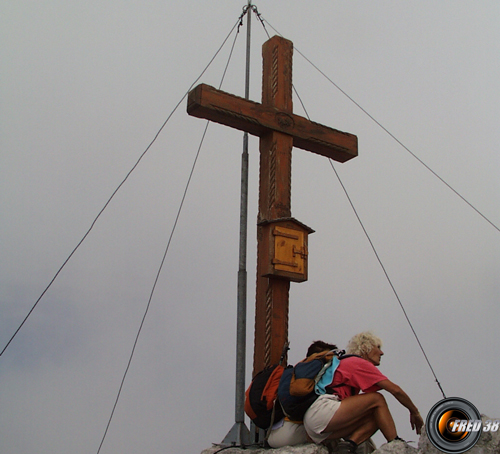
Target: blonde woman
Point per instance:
(345, 413)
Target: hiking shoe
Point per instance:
(399, 439)
(331, 445)
(346, 447)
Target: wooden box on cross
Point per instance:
(286, 240)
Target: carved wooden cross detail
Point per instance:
(279, 130)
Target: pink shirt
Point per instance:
(357, 374)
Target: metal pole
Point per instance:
(239, 434)
(242, 272)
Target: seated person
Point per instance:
(286, 432)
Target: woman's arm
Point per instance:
(416, 420)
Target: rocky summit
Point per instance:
(489, 443)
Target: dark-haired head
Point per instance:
(320, 346)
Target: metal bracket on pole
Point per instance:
(239, 435)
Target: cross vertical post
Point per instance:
(271, 311)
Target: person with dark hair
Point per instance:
(289, 433)
(345, 413)
(318, 347)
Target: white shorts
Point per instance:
(319, 415)
(287, 434)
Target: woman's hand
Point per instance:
(416, 422)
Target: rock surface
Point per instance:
(489, 443)
(396, 447)
(308, 448)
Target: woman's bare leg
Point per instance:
(359, 415)
(358, 432)
(366, 429)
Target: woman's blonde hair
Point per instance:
(362, 343)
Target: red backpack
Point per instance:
(261, 397)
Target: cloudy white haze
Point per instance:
(85, 87)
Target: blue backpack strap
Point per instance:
(325, 377)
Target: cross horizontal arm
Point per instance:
(207, 102)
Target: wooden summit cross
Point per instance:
(282, 240)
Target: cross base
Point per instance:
(239, 435)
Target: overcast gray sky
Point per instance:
(85, 87)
